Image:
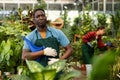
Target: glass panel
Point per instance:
(1, 6)
(95, 6)
(1, 12)
(25, 6)
(109, 7)
(71, 6)
(117, 6)
(11, 6)
(80, 7)
(116, 0)
(54, 6)
(100, 0)
(109, 0)
(101, 7)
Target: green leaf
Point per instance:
(101, 66)
(34, 66)
(59, 65)
(19, 77)
(7, 46)
(37, 76)
(70, 75)
(44, 75)
(49, 74)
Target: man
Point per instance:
(46, 36)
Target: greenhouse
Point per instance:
(59, 39)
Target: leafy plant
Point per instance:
(77, 54)
(20, 77)
(104, 66)
(11, 45)
(115, 70)
(101, 17)
(116, 22)
(10, 55)
(38, 72)
(86, 23)
(41, 4)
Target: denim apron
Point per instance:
(47, 42)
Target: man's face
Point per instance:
(40, 19)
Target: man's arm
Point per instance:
(67, 53)
(100, 42)
(26, 54)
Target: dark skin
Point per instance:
(40, 22)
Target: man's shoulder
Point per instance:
(32, 33)
(54, 29)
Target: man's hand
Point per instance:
(89, 44)
(108, 44)
(52, 60)
(50, 52)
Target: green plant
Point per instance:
(11, 45)
(115, 70)
(10, 55)
(38, 72)
(77, 55)
(64, 16)
(41, 4)
(86, 23)
(105, 66)
(101, 17)
(116, 23)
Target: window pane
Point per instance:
(11, 6)
(95, 6)
(109, 7)
(25, 6)
(101, 7)
(54, 7)
(117, 6)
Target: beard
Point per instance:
(41, 24)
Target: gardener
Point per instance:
(46, 36)
(87, 47)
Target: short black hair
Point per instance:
(38, 9)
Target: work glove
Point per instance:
(108, 44)
(50, 52)
(52, 60)
(89, 44)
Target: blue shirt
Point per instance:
(58, 34)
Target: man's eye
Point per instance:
(37, 16)
(42, 15)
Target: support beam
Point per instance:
(112, 6)
(104, 6)
(98, 5)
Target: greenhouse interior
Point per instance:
(60, 39)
